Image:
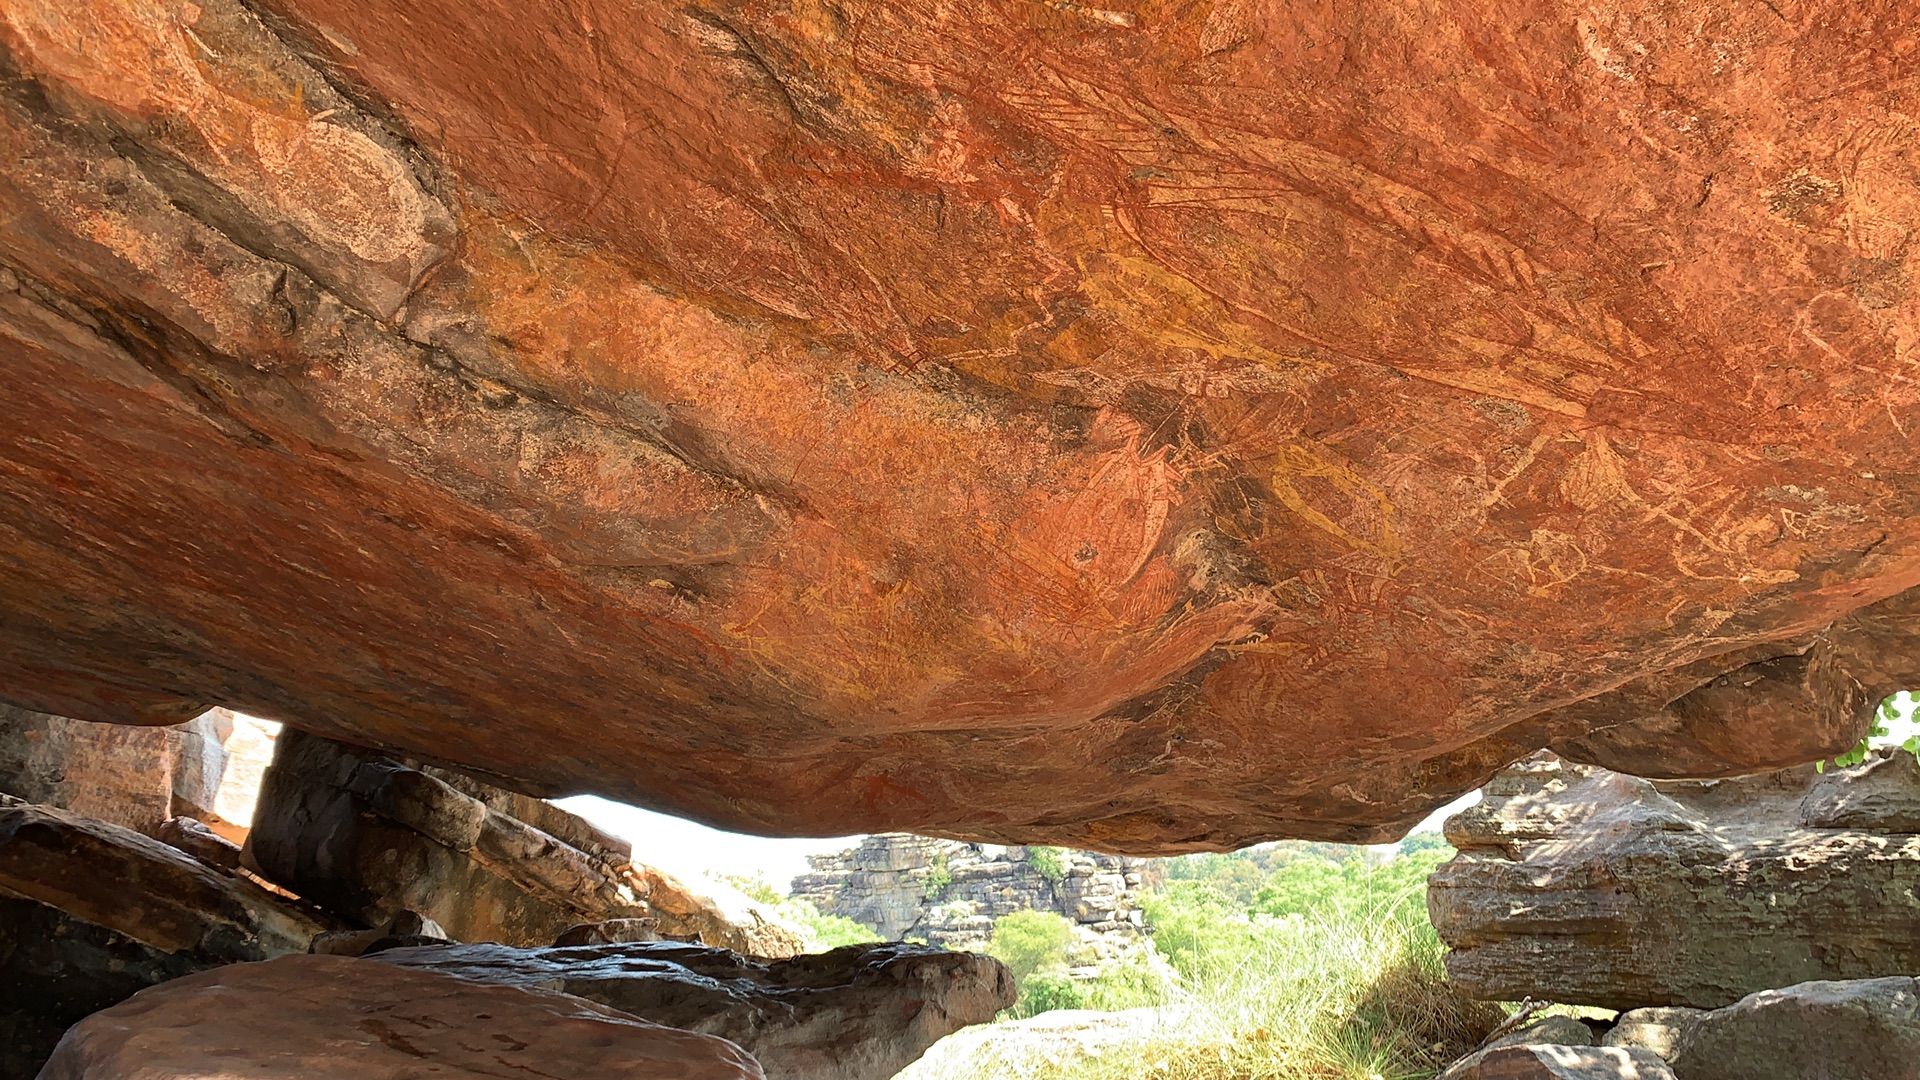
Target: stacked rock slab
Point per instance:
(1583, 886)
(328, 1016)
(91, 912)
(949, 892)
(132, 776)
(861, 1012)
(1867, 1029)
(370, 835)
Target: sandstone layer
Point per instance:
(1578, 885)
(1139, 426)
(1864, 1028)
(132, 776)
(860, 1012)
(92, 912)
(948, 892)
(315, 1016)
(371, 836)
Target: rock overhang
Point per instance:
(1145, 428)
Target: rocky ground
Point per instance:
(332, 940)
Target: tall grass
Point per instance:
(1342, 992)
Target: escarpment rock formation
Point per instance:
(91, 912)
(859, 1012)
(1131, 426)
(1578, 885)
(371, 835)
(948, 892)
(314, 1016)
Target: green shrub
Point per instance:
(939, 877)
(1047, 992)
(1049, 862)
(1031, 942)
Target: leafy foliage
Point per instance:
(1049, 862)
(1889, 712)
(939, 877)
(1031, 942)
(1045, 992)
(1326, 968)
(820, 930)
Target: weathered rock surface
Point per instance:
(1657, 1029)
(91, 912)
(132, 776)
(328, 1016)
(370, 836)
(1579, 885)
(1040, 422)
(949, 892)
(1869, 1029)
(1015, 1046)
(860, 1012)
(196, 839)
(1556, 1031)
(1565, 1063)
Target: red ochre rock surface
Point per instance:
(1139, 425)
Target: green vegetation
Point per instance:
(1049, 862)
(1031, 943)
(1896, 708)
(1285, 962)
(939, 877)
(821, 931)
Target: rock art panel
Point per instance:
(1036, 423)
(1579, 885)
(370, 836)
(91, 912)
(337, 1016)
(860, 1012)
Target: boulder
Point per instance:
(1013, 1047)
(1564, 1063)
(1556, 1031)
(1064, 426)
(371, 835)
(132, 776)
(860, 1012)
(1657, 1029)
(1579, 885)
(196, 839)
(91, 912)
(326, 1016)
(610, 932)
(1867, 1029)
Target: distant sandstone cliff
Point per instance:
(949, 892)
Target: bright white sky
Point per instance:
(693, 851)
(690, 850)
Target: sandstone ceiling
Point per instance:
(1145, 425)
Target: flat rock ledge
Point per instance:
(860, 1012)
(326, 1016)
(1866, 1029)
(371, 835)
(92, 912)
(1583, 886)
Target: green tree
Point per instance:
(1031, 942)
(1049, 862)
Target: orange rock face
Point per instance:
(1146, 426)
